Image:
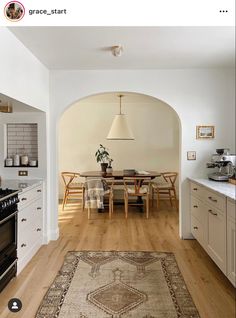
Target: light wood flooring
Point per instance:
(212, 293)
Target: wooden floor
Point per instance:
(212, 293)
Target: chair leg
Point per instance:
(175, 197)
(110, 207)
(158, 199)
(89, 212)
(64, 200)
(147, 206)
(170, 198)
(126, 206)
(153, 192)
(83, 200)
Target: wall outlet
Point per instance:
(22, 173)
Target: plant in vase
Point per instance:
(102, 156)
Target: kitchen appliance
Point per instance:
(8, 235)
(225, 163)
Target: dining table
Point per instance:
(119, 175)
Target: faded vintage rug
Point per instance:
(118, 284)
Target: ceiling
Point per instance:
(144, 47)
(114, 98)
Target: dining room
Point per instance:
(152, 150)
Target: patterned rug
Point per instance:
(118, 285)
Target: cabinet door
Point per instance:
(231, 251)
(216, 243)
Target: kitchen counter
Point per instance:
(19, 184)
(225, 188)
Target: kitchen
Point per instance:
(205, 89)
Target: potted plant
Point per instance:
(102, 156)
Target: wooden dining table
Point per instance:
(119, 175)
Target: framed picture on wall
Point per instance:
(205, 132)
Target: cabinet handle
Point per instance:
(212, 212)
(38, 190)
(195, 228)
(195, 206)
(38, 230)
(23, 245)
(195, 189)
(23, 220)
(23, 199)
(213, 200)
(38, 208)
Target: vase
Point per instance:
(109, 170)
(104, 166)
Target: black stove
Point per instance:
(8, 235)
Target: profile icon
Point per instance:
(14, 11)
(14, 305)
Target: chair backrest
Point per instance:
(170, 177)
(137, 183)
(68, 177)
(105, 183)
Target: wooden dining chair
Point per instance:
(105, 187)
(73, 188)
(165, 190)
(133, 187)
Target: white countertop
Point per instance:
(225, 188)
(19, 184)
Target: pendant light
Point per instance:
(120, 129)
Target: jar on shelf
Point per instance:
(16, 160)
(9, 162)
(24, 159)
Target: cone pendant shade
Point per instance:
(120, 129)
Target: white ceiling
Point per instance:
(114, 98)
(144, 47)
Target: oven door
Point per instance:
(8, 246)
(8, 232)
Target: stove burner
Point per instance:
(6, 192)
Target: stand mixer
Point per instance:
(225, 162)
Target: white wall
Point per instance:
(85, 125)
(199, 96)
(23, 77)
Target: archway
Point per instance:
(104, 103)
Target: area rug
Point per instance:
(118, 285)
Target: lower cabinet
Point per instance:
(213, 226)
(231, 242)
(216, 238)
(30, 225)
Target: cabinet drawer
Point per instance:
(196, 189)
(27, 196)
(215, 200)
(231, 209)
(23, 244)
(198, 210)
(197, 230)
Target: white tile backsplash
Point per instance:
(22, 139)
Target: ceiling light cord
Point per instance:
(120, 96)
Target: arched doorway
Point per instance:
(85, 124)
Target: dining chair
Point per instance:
(73, 188)
(95, 192)
(134, 187)
(165, 189)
